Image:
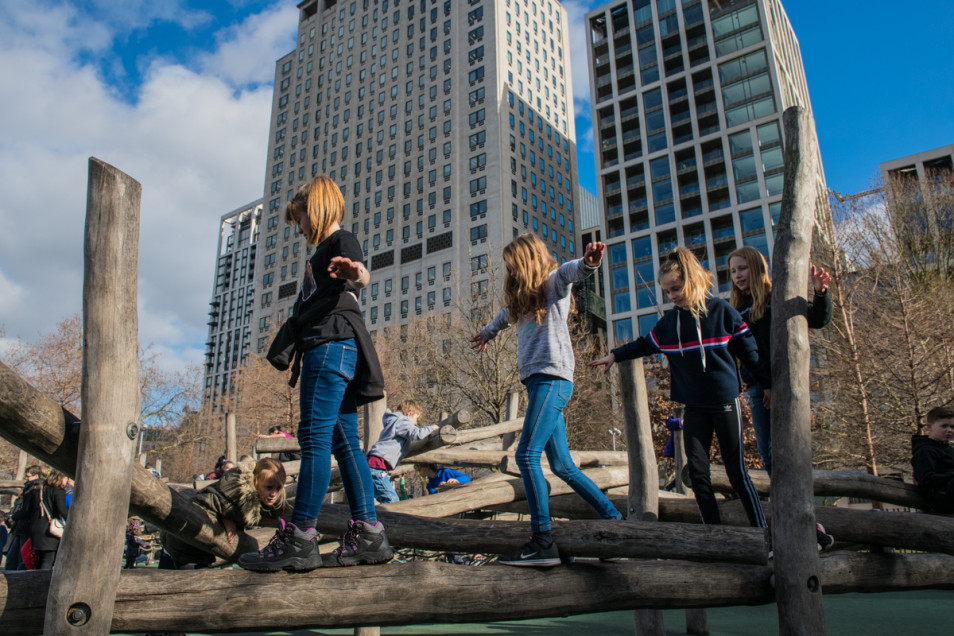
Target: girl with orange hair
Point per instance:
(538, 302)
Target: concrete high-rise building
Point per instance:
(920, 166)
(449, 128)
(231, 307)
(687, 99)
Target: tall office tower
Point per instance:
(448, 126)
(687, 99)
(231, 307)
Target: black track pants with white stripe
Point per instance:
(725, 422)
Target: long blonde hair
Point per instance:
(525, 292)
(697, 281)
(267, 469)
(760, 285)
(322, 201)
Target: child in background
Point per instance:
(437, 477)
(932, 458)
(699, 336)
(339, 370)
(538, 299)
(251, 494)
(399, 431)
(751, 295)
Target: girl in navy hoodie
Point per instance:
(701, 336)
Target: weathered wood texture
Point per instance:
(206, 600)
(84, 582)
(457, 456)
(601, 538)
(231, 439)
(373, 416)
(469, 497)
(800, 607)
(38, 425)
(838, 483)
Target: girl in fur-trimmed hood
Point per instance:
(251, 494)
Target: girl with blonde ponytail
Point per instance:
(701, 336)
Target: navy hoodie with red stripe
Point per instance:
(702, 353)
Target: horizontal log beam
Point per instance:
(457, 456)
(206, 600)
(469, 435)
(600, 538)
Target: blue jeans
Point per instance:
(545, 430)
(762, 423)
(383, 488)
(329, 424)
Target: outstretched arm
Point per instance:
(606, 362)
(352, 271)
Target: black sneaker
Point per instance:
(532, 554)
(825, 540)
(289, 549)
(362, 544)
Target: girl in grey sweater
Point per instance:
(537, 295)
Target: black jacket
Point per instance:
(55, 501)
(933, 464)
(23, 516)
(818, 315)
(296, 336)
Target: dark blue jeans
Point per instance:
(544, 429)
(329, 424)
(762, 423)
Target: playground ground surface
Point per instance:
(885, 614)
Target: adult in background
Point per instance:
(21, 518)
(49, 503)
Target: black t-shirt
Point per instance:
(317, 284)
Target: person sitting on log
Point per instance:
(400, 430)
(701, 336)
(251, 494)
(538, 301)
(437, 477)
(932, 458)
(284, 456)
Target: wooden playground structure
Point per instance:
(674, 560)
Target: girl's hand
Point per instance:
(353, 272)
(449, 481)
(606, 361)
(477, 344)
(767, 399)
(820, 279)
(593, 255)
(230, 530)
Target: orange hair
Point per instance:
(525, 291)
(322, 201)
(697, 281)
(760, 285)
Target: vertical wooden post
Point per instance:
(159, 465)
(21, 466)
(797, 579)
(83, 586)
(643, 501)
(373, 421)
(373, 416)
(231, 441)
(513, 409)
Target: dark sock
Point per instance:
(543, 538)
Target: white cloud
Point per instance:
(195, 139)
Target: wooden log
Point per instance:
(798, 580)
(508, 438)
(83, 585)
(642, 502)
(21, 466)
(469, 497)
(836, 483)
(206, 600)
(34, 422)
(466, 436)
(373, 416)
(458, 456)
(601, 538)
(231, 440)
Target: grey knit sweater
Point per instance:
(545, 348)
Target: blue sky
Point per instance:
(177, 93)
